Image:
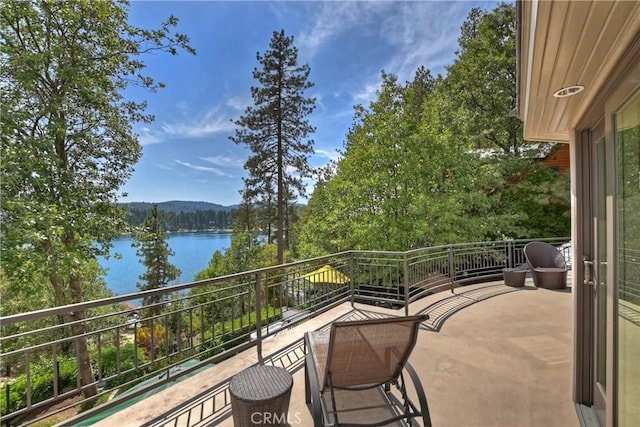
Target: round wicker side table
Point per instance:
(260, 396)
(514, 277)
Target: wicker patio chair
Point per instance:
(547, 265)
(350, 369)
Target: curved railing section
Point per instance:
(143, 340)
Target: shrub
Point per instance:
(232, 333)
(42, 384)
(128, 371)
(151, 340)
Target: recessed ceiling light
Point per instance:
(568, 91)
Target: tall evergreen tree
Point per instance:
(152, 247)
(68, 143)
(276, 128)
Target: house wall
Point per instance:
(595, 44)
(558, 159)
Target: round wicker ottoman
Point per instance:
(260, 396)
(514, 277)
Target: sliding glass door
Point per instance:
(627, 138)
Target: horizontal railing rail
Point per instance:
(179, 329)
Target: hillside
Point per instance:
(178, 206)
(178, 215)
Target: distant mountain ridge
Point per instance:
(178, 206)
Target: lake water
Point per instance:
(193, 251)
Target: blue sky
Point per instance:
(187, 153)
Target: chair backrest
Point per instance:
(541, 254)
(369, 352)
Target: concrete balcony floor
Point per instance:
(490, 355)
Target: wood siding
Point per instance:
(558, 159)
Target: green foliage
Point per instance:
(42, 381)
(628, 204)
(481, 84)
(541, 200)
(231, 333)
(127, 358)
(411, 173)
(181, 220)
(18, 298)
(67, 138)
(154, 250)
(245, 254)
(404, 182)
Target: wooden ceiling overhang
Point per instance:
(570, 43)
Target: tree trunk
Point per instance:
(281, 201)
(89, 387)
(78, 330)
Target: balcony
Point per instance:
(488, 355)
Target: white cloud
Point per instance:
(191, 125)
(214, 171)
(147, 136)
(418, 33)
(333, 18)
(238, 103)
(165, 167)
(331, 155)
(226, 161)
(290, 170)
(367, 92)
(212, 121)
(423, 33)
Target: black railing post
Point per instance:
(510, 254)
(405, 267)
(168, 346)
(56, 375)
(351, 278)
(258, 317)
(452, 266)
(8, 399)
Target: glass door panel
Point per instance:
(627, 134)
(599, 279)
(601, 269)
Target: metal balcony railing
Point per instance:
(137, 342)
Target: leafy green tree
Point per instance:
(152, 247)
(396, 185)
(276, 128)
(216, 267)
(481, 83)
(245, 254)
(67, 140)
(539, 198)
(116, 360)
(264, 208)
(411, 173)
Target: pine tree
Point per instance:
(154, 250)
(276, 128)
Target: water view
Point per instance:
(193, 251)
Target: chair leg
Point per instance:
(333, 402)
(307, 392)
(312, 390)
(422, 398)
